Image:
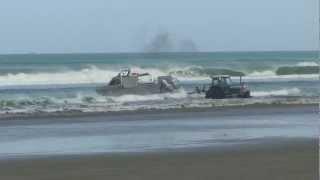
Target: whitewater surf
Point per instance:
(67, 82)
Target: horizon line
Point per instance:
(169, 52)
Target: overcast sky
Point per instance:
(68, 26)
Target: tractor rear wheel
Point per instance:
(215, 93)
(246, 94)
(219, 93)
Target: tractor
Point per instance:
(222, 87)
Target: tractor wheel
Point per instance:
(209, 94)
(246, 94)
(219, 93)
(215, 93)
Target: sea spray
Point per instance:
(280, 92)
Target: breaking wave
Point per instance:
(85, 99)
(289, 70)
(94, 75)
(262, 73)
(281, 92)
(88, 75)
(307, 63)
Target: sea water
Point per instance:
(63, 82)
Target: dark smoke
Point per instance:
(166, 42)
(187, 46)
(162, 42)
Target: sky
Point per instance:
(71, 26)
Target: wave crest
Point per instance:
(281, 92)
(307, 63)
(95, 75)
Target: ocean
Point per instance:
(33, 83)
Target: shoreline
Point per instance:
(269, 157)
(294, 159)
(74, 114)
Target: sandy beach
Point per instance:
(282, 160)
(261, 142)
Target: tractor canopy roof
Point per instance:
(220, 77)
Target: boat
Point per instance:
(128, 82)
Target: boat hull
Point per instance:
(141, 89)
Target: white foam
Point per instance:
(94, 75)
(85, 76)
(262, 73)
(88, 75)
(281, 92)
(307, 63)
(273, 78)
(153, 97)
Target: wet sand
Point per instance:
(273, 158)
(290, 159)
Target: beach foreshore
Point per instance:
(279, 159)
(271, 157)
(221, 110)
